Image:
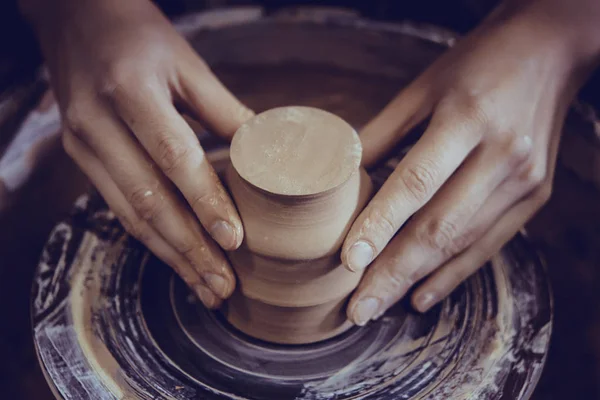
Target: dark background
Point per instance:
(18, 44)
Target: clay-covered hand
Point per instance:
(121, 75)
(483, 166)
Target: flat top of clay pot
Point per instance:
(296, 151)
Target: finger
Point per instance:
(497, 204)
(138, 228)
(210, 101)
(174, 147)
(443, 147)
(442, 229)
(154, 199)
(446, 225)
(446, 279)
(391, 125)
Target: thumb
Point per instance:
(210, 102)
(411, 106)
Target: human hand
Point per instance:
(120, 73)
(484, 165)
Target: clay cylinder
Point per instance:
(295, 177)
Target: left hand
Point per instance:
(482, 168)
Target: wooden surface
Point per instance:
(567, 229)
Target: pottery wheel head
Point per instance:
(296, 151)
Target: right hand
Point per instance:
(119, 70)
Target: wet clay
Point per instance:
(295, 177)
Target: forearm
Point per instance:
(576, 22)
(46, 16)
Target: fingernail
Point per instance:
(206, 295)
(223, 234)
(425, 301)
(365, 310)
(359, 256)
(379, 314)
(218, 284)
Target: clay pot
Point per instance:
(295, 177)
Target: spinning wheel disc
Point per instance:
(111, 318)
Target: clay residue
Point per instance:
(475, 358)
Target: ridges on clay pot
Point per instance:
(295, 177)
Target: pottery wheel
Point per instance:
(111, 317)
(112, 322)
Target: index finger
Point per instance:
(174, 147)
(441, 150)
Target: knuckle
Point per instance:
(462, 105)
(474, 112)
(200, 200)
(119, 78)
(534, 175)
(146, 203)
(439, 235)
(419, 180)
(460, 243)
(171, 153)
(399, 278)
(120, 73)
(75, 119)
(135, 227)
(382, 221)
(544, 193)
(185, 247)
(140, 231)
(518, 148)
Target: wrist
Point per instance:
(573, 25)
(563, 36)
